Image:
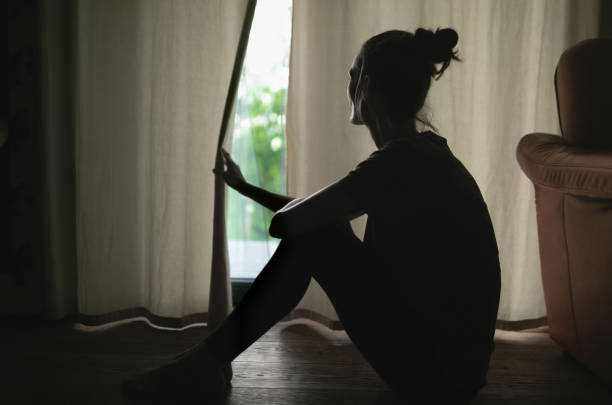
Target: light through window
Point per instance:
(258, 136)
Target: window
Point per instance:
(258, 137)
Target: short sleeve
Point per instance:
(370, 181)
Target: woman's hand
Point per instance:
(231, 174)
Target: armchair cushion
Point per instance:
(548, 161)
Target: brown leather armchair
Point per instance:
(572, 177)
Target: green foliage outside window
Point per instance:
(258, 147)
(258, 136)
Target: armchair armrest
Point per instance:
(549, 162)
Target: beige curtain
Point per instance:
(151, 81)
(502, 90)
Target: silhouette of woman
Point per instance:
(419, 297)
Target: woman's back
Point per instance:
(428, 222)
(423, 206)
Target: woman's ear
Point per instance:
(362, 98)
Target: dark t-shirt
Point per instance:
(427, 221)
(421, 201)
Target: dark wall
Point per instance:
(20, 163)
(605, 19)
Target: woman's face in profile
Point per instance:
(352, 87)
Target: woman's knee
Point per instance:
(337, 232)
(323, 247)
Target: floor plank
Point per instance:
(297, 362)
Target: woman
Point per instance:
(419, 296)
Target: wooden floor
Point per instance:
(297, 362)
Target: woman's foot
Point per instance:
(225, 368)
(228, 373)
(189, 375)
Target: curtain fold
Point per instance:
(502, 90)
(220, 301)
(151, 80)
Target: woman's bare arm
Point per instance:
(270, 200)
(233, 178)
(326, 206)
(293, 216)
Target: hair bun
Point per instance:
(444, 41)
(438, 46)
(424, 37)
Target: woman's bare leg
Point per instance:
(358, 285)
(393, 340)
(274, 293)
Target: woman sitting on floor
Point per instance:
(419, 296)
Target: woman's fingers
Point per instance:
(231, 168)
(226, 155)
(230, 163)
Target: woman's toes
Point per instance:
(228, 373)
